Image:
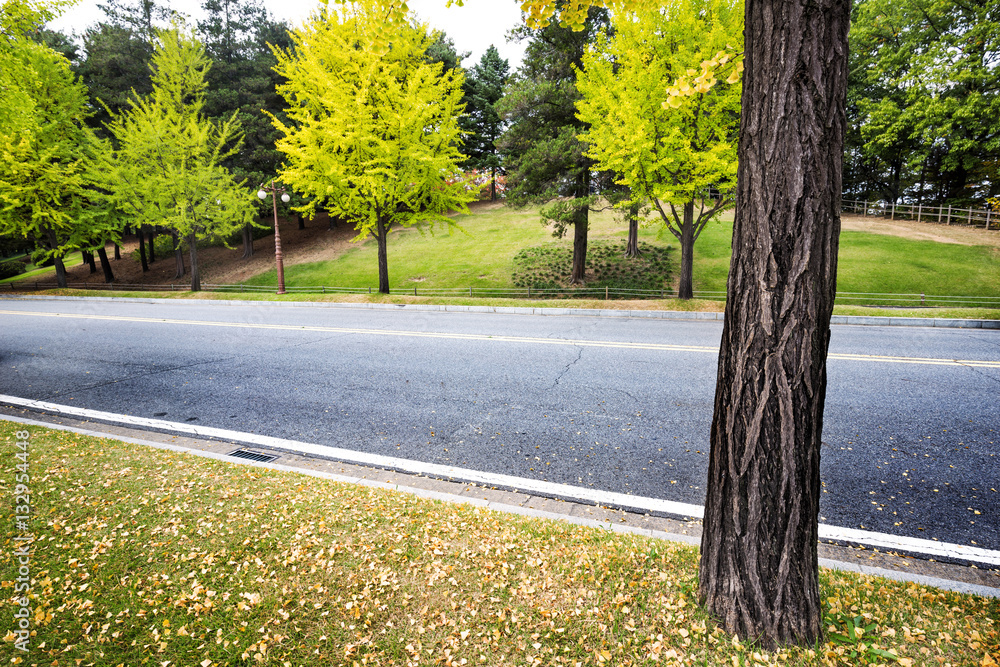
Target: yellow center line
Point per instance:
(506, 339)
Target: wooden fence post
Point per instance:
(919, 210)
(893, 216)
(949, 214)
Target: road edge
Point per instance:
(854, 320)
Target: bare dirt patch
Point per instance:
(922, 231)
(222, 266)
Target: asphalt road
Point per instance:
(911, 446)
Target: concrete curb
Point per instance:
(853, 320)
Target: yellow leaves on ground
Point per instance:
(196, 562)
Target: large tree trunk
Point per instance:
(88, 259)
(151, 238)
(759, 546)
(195, 274)
(581, 222)
(109, 277)
(178, 255)
(247, 241)
(118, 251)
(57, 260)
(632, 245)
(685, 290)
(142, 248)
(383, 257)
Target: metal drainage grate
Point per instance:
(253, 456)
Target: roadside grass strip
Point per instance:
(152, 557)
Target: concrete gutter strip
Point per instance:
(855, 320)
(943, 584)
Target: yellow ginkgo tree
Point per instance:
(673, 145)
(372, 130)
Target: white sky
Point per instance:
(473, 27)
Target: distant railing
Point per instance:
(874, 299)
(946, 215)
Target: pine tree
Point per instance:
(484, 87)
(541, 147)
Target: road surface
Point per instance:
(911, 432)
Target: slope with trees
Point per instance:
(166, 168)
(373, 129)
(542, 152)
(677, 152)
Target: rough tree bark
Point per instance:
(581, 223)
(248, 241)
(109, 276)
(142, 248)
(758, 569)
(381, 236)
(118, 251)
(151, 240)
(685, 288)
(632, 245)
(195, 273)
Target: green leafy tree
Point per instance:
(46, 153)
(543, 154)
(484, 87)
(167, 168)
(924, 100)
(671, 150)
(758, 571)
(372, 132)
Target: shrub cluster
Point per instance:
(11, 268)
(549, 266)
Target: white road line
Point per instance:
(598, 497)
(927, 361)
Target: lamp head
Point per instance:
(285, 198)
(262, 194)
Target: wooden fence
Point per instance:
(945, 215)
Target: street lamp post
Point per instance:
(262, 193)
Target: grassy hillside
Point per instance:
(478, 252)
(481, 250)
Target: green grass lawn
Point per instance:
(33, 271)
(150, 557)
(483, 255)
(479, 254)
